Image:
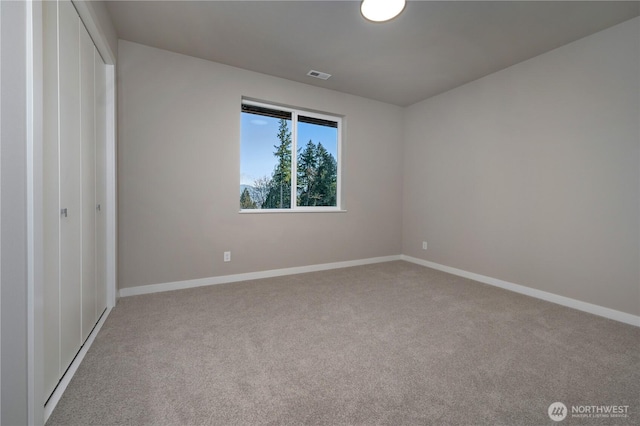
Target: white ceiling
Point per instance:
(433, 46)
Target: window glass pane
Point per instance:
(317, 158)
(265, 153)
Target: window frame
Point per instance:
(295, 112)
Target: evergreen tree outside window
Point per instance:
(289, 159)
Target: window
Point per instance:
(271, 176)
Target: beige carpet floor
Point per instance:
(392, 343)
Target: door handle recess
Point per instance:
(63, 212)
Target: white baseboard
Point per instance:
(64, 382)
(538, 294)
(225, 279)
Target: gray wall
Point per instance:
(179, 171)
(13, 214)
(531, 175)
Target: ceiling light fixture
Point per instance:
(381, 10)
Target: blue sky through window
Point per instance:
(259, 135)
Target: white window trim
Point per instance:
(294, 160)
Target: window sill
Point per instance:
(298, 210)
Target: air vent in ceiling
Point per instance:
(318, 74)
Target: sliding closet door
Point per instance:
(101, 183)
(70, 183)
(74, 188)
(88, 150)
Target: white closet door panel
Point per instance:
(101, 183)
(70, 188)
(51, 215)
(74, 184)
(87, 117)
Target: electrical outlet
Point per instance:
(424, 245)
(227, 256)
